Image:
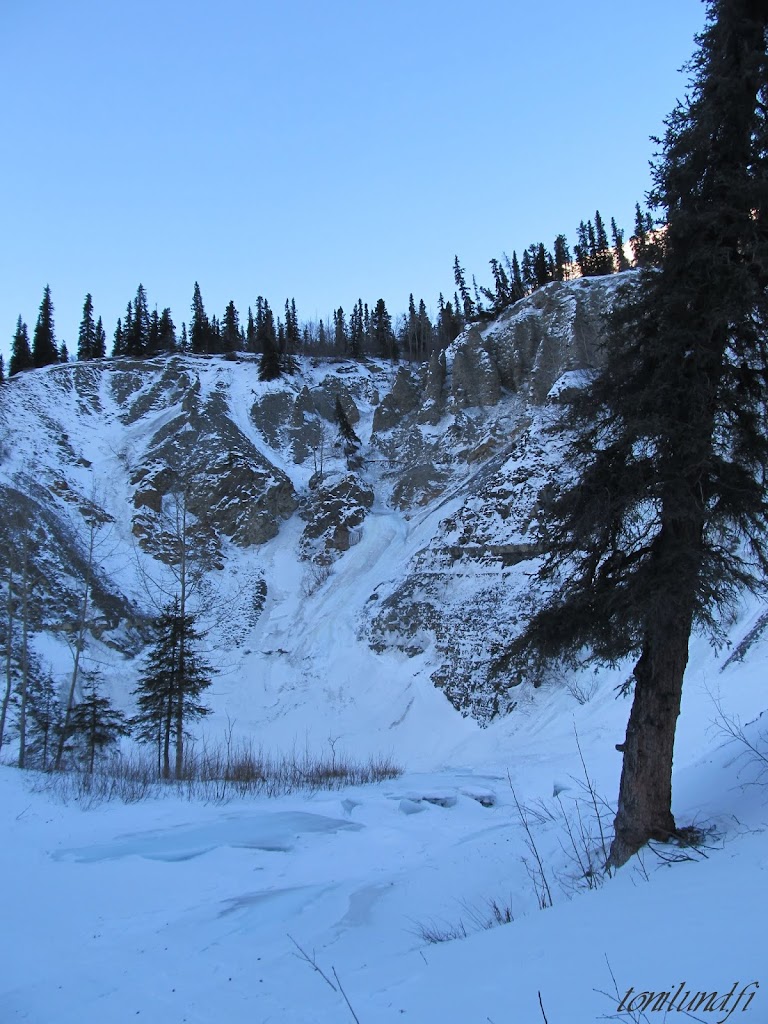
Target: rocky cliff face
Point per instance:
(141, 454)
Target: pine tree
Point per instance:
(86, 336)
(340, 337)
(468, 305)
(424, 331)
(199, 325)
(665, 520)
(270, 367)
(95, 724)
(382, 334)
(43, 717)
(169, 690)
(581, 250)
(118, 343)
(44, 348)
(621, 263)
(230, 329)
(357, 331)
(153, 344)
(250, 333)
(2, 370)
(352, 441)
(603, 259)
(63, 352)
(21, 354)
(543, 266)
(448, 324)
(562, 259)
(136, 330)
(100, 348)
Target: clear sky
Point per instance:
(320, 149)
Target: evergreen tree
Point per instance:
(468, 305)
(528, 272)
(448, 324)
(21, 354)
(292, 333)
(169, 690)
(357, 331)
(382, 334)
(250, 333)
(663, 519)
(230, 329)
(136, 330)
(350, 438)
(43, 718)
(2, 370)
(621, 263)
(543, 266)
(199, 325)
(153, 344)
(184, 340)
(603, 258)
(424, 331)
(118, 343)
(647, 247)
(86, 336)
(63, 352)
(270, 367)
(340, 337)
(44, 348)
(581, 250)
(95, 724)
(100, 346)
(562, 259)
(166, 332)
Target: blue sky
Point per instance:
(321, 150)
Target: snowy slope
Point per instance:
(360, 611)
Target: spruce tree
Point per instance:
(562, 258)
(382, 334)
(663, 518)
(100, 347)
(21, 354)
(2, 370)
(199, 325)
(621, 263)
(170, 687)
(136, 330)
(230, 329)
(603, 258)
(86, 336)
(95, 724)
(43, 718)
(340, 336)
(166, 332)
(63, 352)
(118, 343)
(44, 348)
(270, 367)
(468, 305)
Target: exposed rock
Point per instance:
(475, 379)
(404, 398)
(334, 516)
(432, 406)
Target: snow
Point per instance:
(173, 910)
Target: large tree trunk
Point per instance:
(645, 793)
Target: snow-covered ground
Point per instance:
(173, 911)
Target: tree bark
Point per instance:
(645, 792)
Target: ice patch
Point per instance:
(273, 833)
